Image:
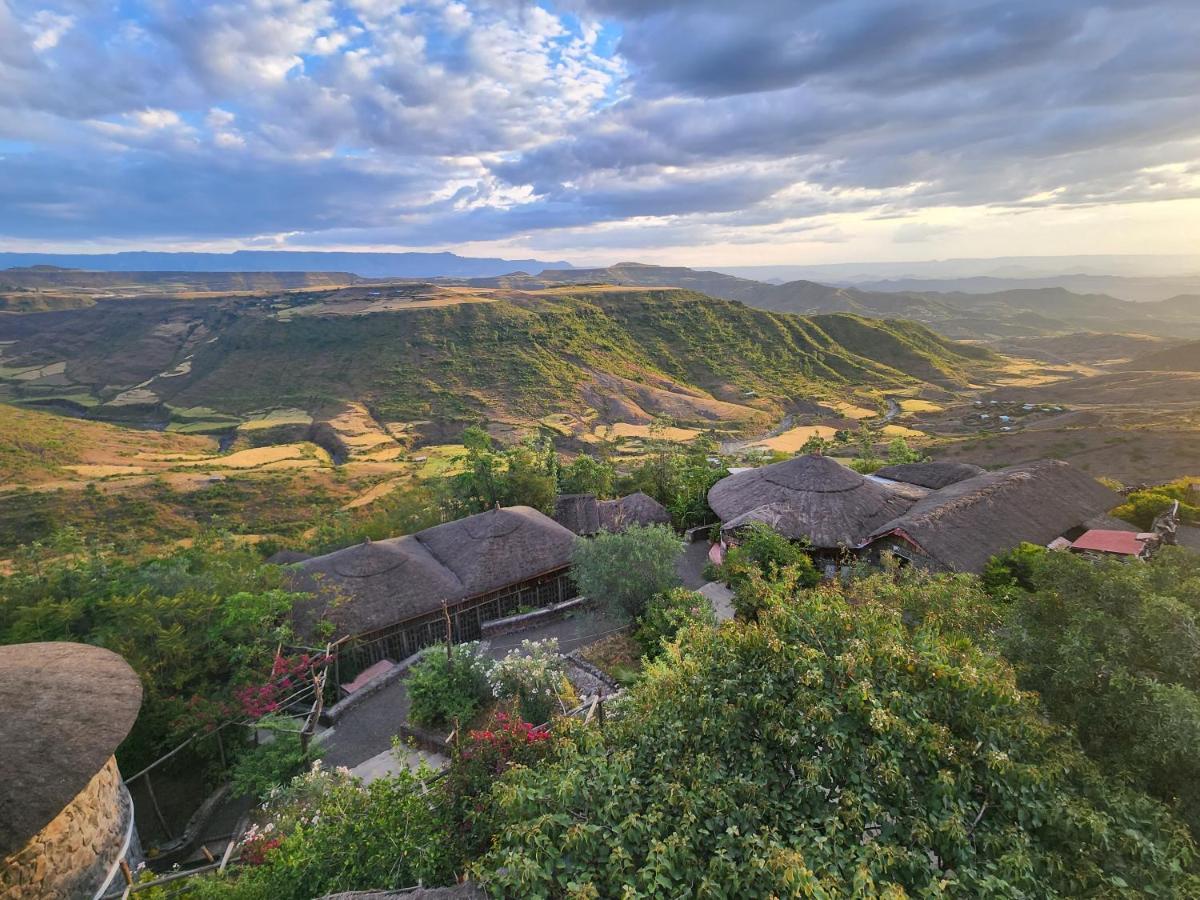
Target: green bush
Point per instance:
(828, 751)
(761, 548)
(669, 612)
(444, 689)
(260, 769)
(532, 675)
(625, 570)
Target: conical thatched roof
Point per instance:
(579, 513)
(962, 526)
(65, 707)
(584, 514)
(808, 497)
(634, 509)
(932, 475)
(379, 583)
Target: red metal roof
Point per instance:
(1126, 543)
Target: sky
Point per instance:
(684, 131)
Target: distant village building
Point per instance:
(585, 515)
(941, 516)
(66, 817)
(386, 597)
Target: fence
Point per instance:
(403, 639)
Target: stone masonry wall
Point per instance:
(69, 858)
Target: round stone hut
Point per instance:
(67, 820)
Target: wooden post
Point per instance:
(126, 872)
(449, 633)
(162, 821)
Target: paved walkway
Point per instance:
(690, 566)
(387, 762)
(366, 730)
(721, 599)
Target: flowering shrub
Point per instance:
(667, 613)
(288, 676)
(443, 690)
(532, 675)
(484, 756)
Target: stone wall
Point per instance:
(70, 857)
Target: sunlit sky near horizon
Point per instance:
(699, 132)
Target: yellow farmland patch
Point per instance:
(920, 406)
(900, 431)
(380, 490)
(259, 456)
(795, 438)
(850, 411)
(629, 430)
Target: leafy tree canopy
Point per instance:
(625, 570)
(827, 751)
(1114, 651)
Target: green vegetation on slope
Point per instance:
(525, 355)
(538, 353)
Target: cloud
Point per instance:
(584, 124)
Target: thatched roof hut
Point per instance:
(962, 526)
(808, 497)
(933, 475)
(379, 583)
(579, 513)
(633, 509)
(66, 708)
(585, 515)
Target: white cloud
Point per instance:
(48, 28)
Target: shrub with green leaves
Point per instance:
(625, 570)
(445, 689)
(828, 751)
(1113, 649)
(269, 765)
(532, 676)
(761, 548)
(667, 614)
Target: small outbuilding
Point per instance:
(66, 817)
(1105, 542)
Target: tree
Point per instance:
(761, 547)
(1114, 652)
(625, 570)
(826, 751)
(517, 476)
(899, 453)
(587, 475)
(868, 460)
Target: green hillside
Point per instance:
(522, 355)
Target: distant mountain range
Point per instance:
(1138, 290)
(366, 264)
(960, 315)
